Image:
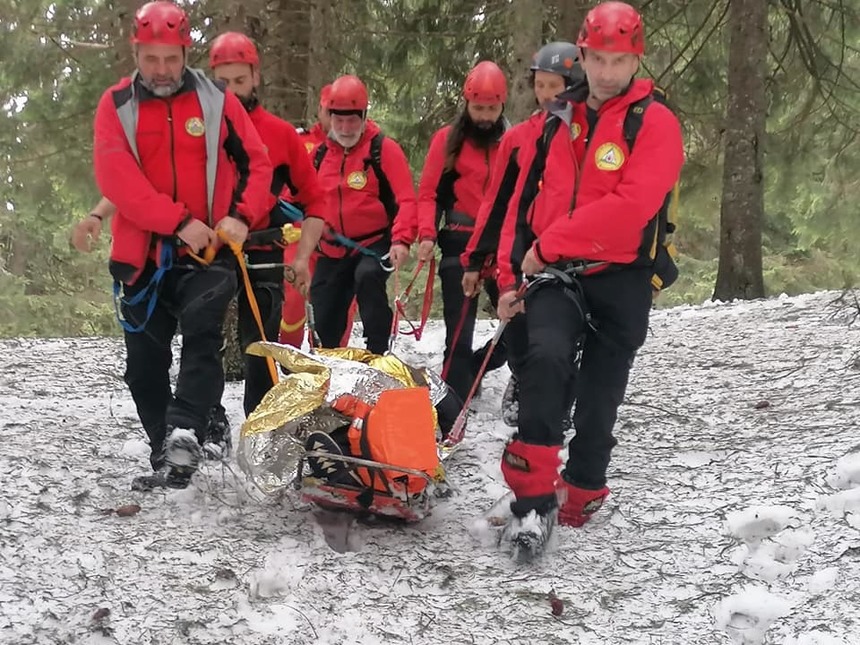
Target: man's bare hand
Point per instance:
(507, 308)
(398, 254)
(197, 236)
(531, 265)
(234, 229)
(425, 250)
(302, 276)
(471, 283)
(85, 234)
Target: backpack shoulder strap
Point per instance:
(320, 155)
(634, 118)
(374, 160)
(636, 114)
(376, 151)
(550, 128)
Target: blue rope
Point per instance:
(149, 291)
(294, 214)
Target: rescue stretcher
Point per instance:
(303, 437)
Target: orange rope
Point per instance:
(249, 292)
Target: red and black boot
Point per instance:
(577, 505)
(531, 472)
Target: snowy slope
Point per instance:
(735, 514)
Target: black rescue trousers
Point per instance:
(619, 302)
(268, 288)
(336, 282)
(194, 298)
(465, 363)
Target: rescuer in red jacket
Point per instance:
(582, 230)
(234, 60)
(457, 173)
(317, 133)
(181, 161)
(293, 314)
(554, 68)
(370, 207)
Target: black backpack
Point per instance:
(374, 160)
(657, 249)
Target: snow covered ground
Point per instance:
(735, 513)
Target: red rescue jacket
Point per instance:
(160, 160)
(484, 242)
(594, 198)
(313, 137)
(352, 203)
(294, 176)
(454, 196)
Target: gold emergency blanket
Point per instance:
(272, 438)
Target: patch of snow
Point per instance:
(847, 472)
(847, 501)
(818, 638)
(823, 581)
(221, 563)
(756, 523)
(135, 448)
(747, 615)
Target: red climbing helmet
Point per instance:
(347, 93)
(486, 84)
(233, 47)
(161, 23)
(613, 27)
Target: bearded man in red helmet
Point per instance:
(183, 164)
(370, 210)
(580, 227)
(454, 180)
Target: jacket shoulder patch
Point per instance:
(357, 179)
(609, 157)
(195, 127)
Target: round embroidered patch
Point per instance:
(609, 157)
(356, 180)
(194, 126)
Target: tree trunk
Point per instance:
(232, 357)
(742, 209)
(287, 76)
(122, 12)
(321, 65)
(526, 23)
(249, 19)
(570, 14)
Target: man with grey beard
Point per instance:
(180, 159)
(370, 208)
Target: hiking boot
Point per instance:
(332, 471)
(578, 505)
(148, 483)
(528, 535)
(182, 456)
(511, 402)
(217, 440)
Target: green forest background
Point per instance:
(56, 58)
